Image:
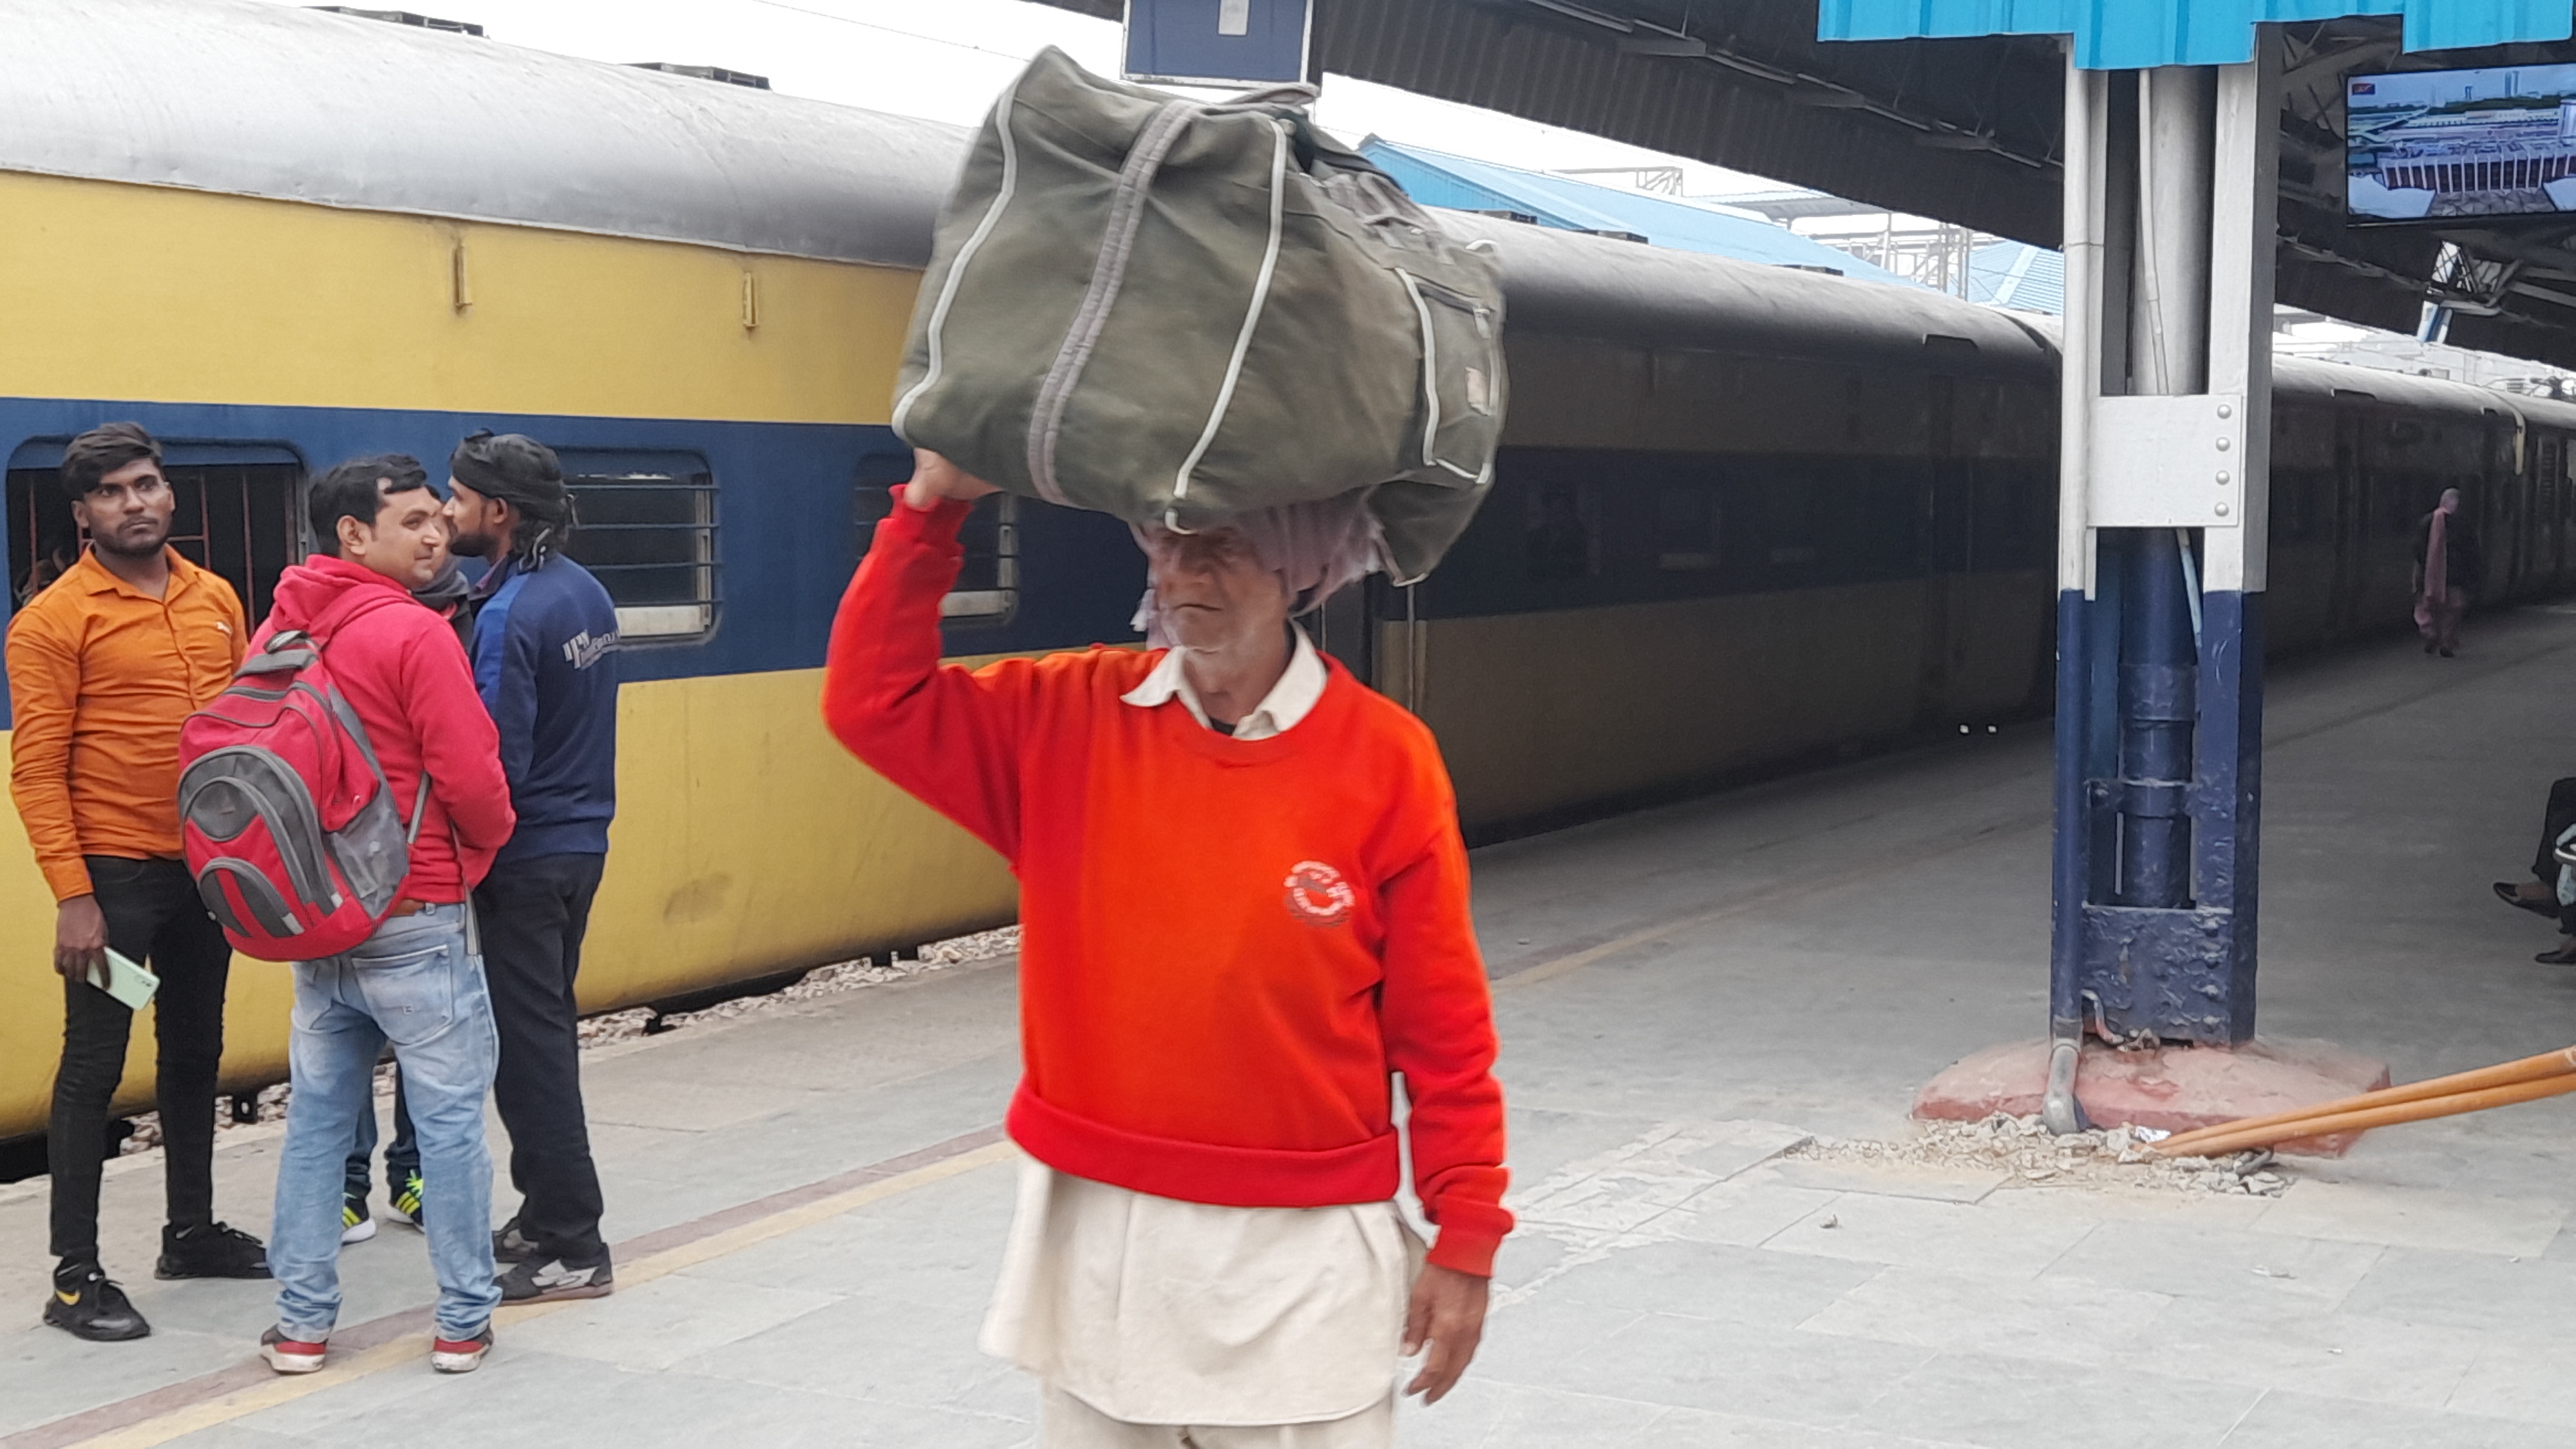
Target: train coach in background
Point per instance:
(103, 665)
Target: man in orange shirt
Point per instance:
(103, 666)
(1244, 901)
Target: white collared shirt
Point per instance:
(1288, 701)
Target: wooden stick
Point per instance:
(2420, 1110)
(2529, 1069)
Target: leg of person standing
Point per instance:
(429, 988)
(194, 961)
(154, 917)
(331, 1064)
(533, 915)
(96, 1027)
(2455, 607)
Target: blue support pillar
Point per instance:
(2161, 563)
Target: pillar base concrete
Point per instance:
(2175, 1088)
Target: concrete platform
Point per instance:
(810, 1204)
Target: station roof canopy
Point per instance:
(1965, 126)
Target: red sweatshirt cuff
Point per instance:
(1465, 1249)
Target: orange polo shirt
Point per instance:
(100, 676)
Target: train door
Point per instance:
(2549, 542)
(1346, 627)
(2346, 520)
(236, 512)
(2500, 513)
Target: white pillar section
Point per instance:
(2244, 242)
(2088, 122)
(2170, 325)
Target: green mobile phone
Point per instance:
(126, 981)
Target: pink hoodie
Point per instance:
(404, 673)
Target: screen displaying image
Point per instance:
(2429, 144)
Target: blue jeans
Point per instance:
(417, 984)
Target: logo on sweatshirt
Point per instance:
(585, 649)
(1318, 895)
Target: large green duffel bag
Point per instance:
(1173, 311)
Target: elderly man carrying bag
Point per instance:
(1245, 902)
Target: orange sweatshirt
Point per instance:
(1229, 946)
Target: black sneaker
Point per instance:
(85, 1304)
(406, 1199)
(356, 1224)
(210, 1251)
(555, 1279)
(509, 1245)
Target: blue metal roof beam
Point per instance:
(2138, 34)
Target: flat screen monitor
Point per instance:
(2433, 145)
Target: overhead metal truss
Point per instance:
(1967, 130)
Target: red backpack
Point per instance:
(289, 824)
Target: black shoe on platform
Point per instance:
(535, 1282)
(509, 1245)
(85, 1304)
(210, 1250)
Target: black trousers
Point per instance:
(532, 914)
(2554, 821)
(154, 917)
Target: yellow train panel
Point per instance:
(1541, 711)
(747, 843)
(164, 295)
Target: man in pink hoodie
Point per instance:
(418, 981)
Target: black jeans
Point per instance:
(532, 914)
(2554, 821)
(402, 1155)
(154, 917)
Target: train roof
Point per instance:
(274, 101)
(1569, 283)
(266, 100)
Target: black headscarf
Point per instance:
(526, 474)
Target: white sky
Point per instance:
(947, 59)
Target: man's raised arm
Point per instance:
(948, 736)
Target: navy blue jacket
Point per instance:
(545, 660)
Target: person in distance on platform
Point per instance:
(1245, 901)
(418, 981)
(545, 662)
(2448, 569)
(103, 666)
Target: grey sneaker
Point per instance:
(535, 1282)
(509, 1245)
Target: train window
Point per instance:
(1564, 533)
(647, 527)
(1789, 507)
(2015, 520)
(1686, 522)
(234, 512)
(988, 582)
(987, 591)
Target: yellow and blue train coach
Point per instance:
(1742, 517)
(278, 239)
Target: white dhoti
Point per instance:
(1156, 1322)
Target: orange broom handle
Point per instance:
(2240, 1139)
(2529, 1069)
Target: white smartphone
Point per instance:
(126, 981)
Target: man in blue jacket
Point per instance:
(545, 659)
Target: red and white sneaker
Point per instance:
(460, 1355)
(290, 1355)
